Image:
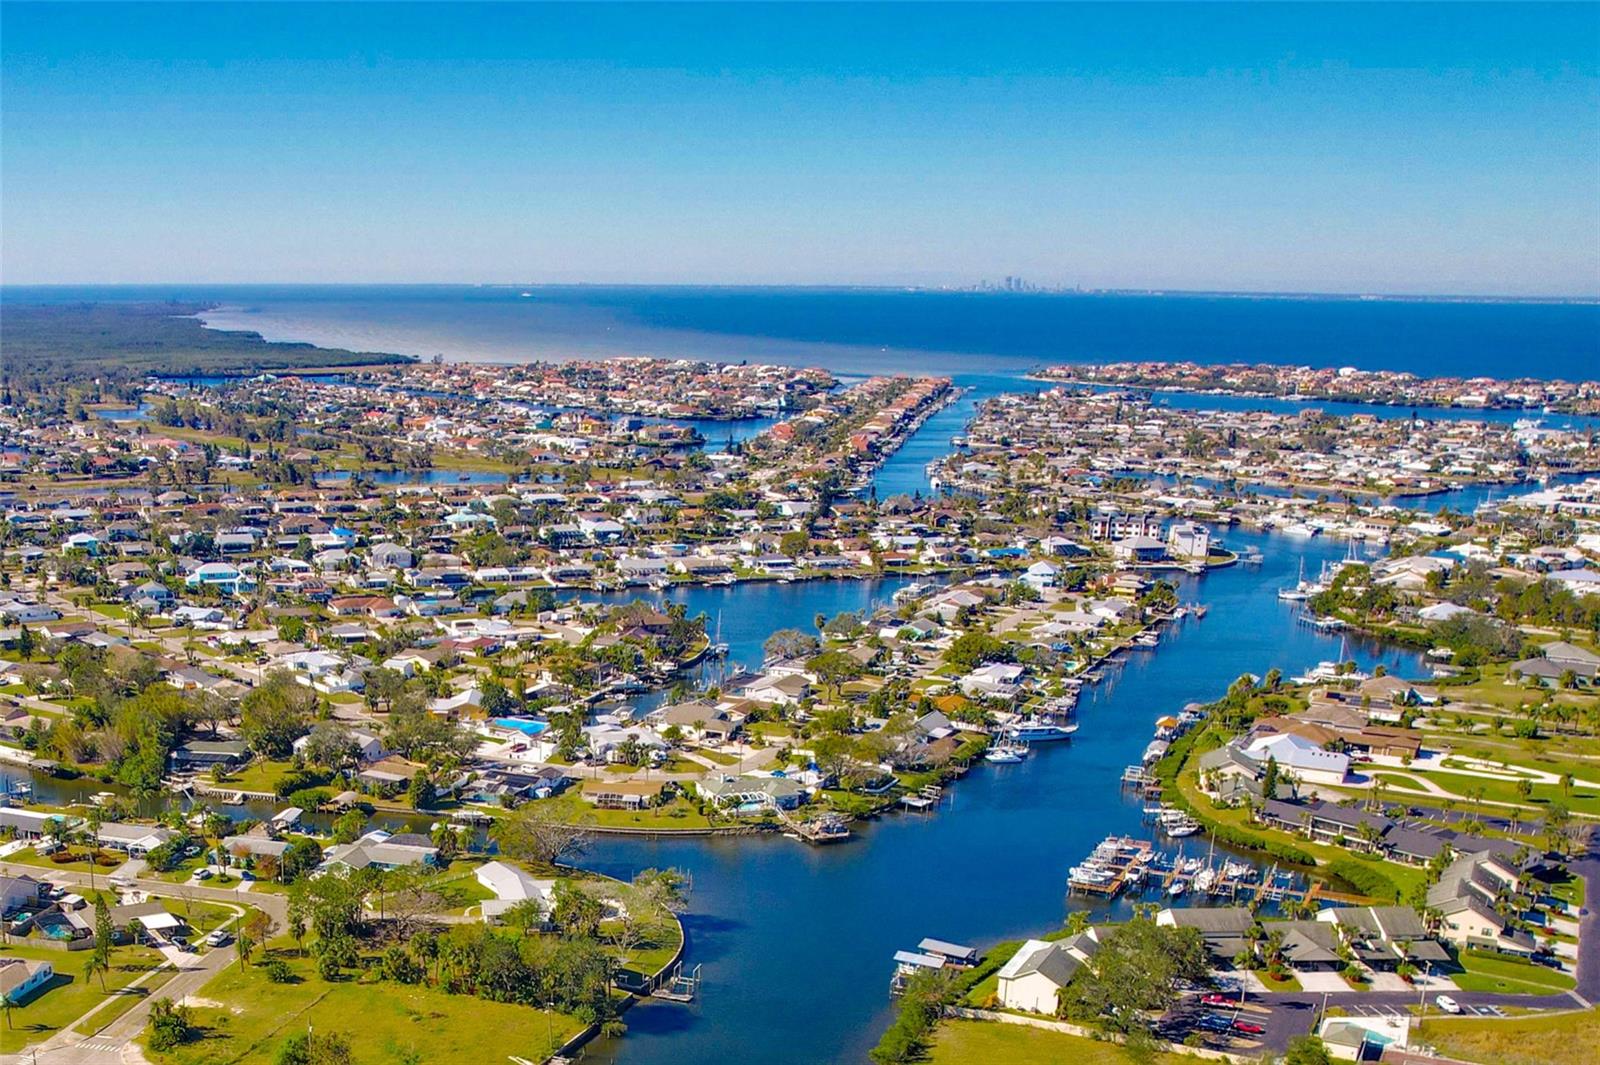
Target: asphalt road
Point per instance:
(108, 1046)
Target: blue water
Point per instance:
(796, 941)
(870, 331)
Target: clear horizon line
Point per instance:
(971, 288)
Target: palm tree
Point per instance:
(97, 964)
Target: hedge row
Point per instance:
(1365, 878)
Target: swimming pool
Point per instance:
(525, 725)
(53, 926)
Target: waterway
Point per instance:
(796, 941)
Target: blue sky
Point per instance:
(1437, 148)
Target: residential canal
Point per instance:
(796, 941)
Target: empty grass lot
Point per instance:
(970, 1042)
(1563, 1039)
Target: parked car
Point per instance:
(1216, 998)
(1249, 1028)
(1446, 1003)
(202, 874)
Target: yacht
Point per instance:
(1300, 530)
(1041, 731)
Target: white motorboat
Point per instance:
(1042, 732)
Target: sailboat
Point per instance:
(718, 648)
(1302, 590)
(1009, 752)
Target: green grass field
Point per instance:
(991, 1043)
(1562, 1039)
(382, 1020)
(69, 995)
(1488, 972)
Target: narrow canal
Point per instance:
(796, 941)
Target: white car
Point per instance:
(1446, 1003)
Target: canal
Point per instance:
(796, 941)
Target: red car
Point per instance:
(1248, 1028)
(1216, 999)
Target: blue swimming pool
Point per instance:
(525, 725)
(53, 926)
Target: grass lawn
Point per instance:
(381, 1020)
(1569, 890)
(1288, 983)
(1488, 972)
(1563, 1039)
(992, 1043)
(262, 774)
(69, 995)
(1579, 800)
(125, 1001)
(677, 814)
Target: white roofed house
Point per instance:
(993, 680)
(381, 850)
(1041, 575)
(512, 886)
(1304, 760)
(786, 689)
(135, 840)
(324, 671)
(1036, 973)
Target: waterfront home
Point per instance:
(622, 794)
(1032, 979)
(785, 689)
(34, 824)
(1139, 549)
(697, 721)
(1325, 821)
(1188, 540)
(20, 978)
(993, 680)
(511, 886)
(751, 793)
(135, 840)
(380, 850)
(1225, 930)
(203, 754)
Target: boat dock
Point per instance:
(1139, 779)
(1120, 864)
